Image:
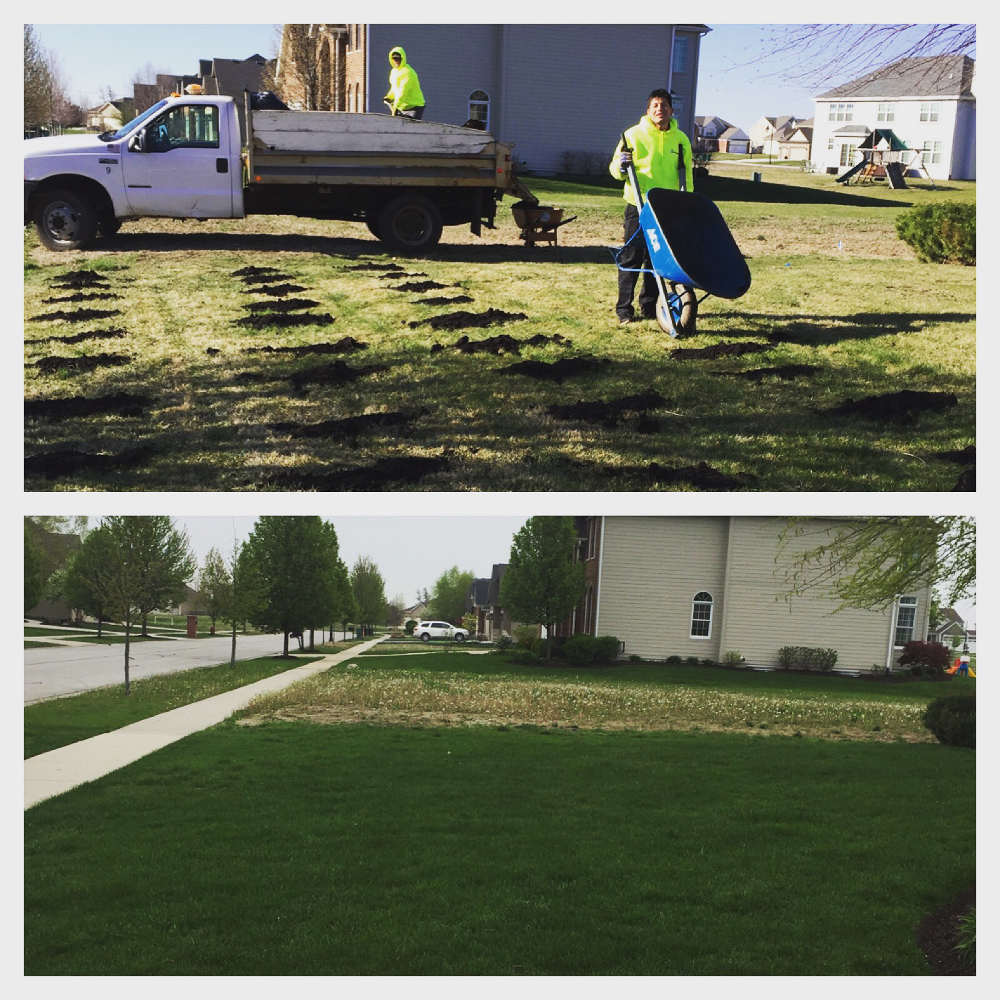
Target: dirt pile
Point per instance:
(81, 279)
(377, 476)
(904, 406)
(75, 316)
(556, 371)
(264, 320)
(727, 350)
(80, 297)
(55, 363)
(346, 345)
(610, 413)
(338, 373)
(443, 300)
(55, 464)
(461, 319)
(123, 404)
(76, 338)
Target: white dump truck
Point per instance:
(186, 157)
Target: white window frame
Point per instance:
(842, 112)
(479, 103)
(930, 111)
(885, 112)
(931, 149)
(695, 602)
(850, 149)
(909, 604)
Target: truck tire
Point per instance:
(65, 220)
(410, 222)
(372, 223)
(108, 225)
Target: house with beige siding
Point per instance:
(704, 586)
(561, 93)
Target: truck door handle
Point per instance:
(222, 165)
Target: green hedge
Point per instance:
(953, 720)
(807, 658)
(940, 233)
(583, 649)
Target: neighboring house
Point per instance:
(415, 612)
(707, 129)
(483, 600)
(110, 115)
(56, 548)
(705, 586)
(951, 631)
(767, 133)
(477, 602)
(191, 603)
(795, 143)
(928, 102)
(539, 86)
(734, 140)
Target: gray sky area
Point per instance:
(410, 552)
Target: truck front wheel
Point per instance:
(410, 222)
(65, 220)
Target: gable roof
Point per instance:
(230, 77)
(733, 132)
(918, 76)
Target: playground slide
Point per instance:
(953, 669)
(847, 174)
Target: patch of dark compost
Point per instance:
(702, 476)
(501, 344)
(902, 407)
(76, 316)
(781, 371)
(252, 272)
(76, 338)
(611, 412)
(726, 350)
(262, 321)
(374, 267)
(937, 936)
(556, 371)
(966, 482)
(338, 373)
(122, 403)
(349, 427)
(367, 478)
(286, 305)
(55, 363)
(346, 345)
(80, 297)
(462, 320)
(265, 276)
(81, 279)
(56, 464)
(417, 286)
(443, 300)
(963, 455)
(278, 291)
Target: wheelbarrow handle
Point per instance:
(631, 174)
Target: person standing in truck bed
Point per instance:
(405, 96)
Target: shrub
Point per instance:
(953, 720)
(691, 660)
(733, 658)
(706, 662)
(634, 658)
(607, 648)
(523, 635)
(526, 657)
(503, 644)
(940, 233)
(580, 650)
(410, 625)
(966, 943)
(674, 658)
(807, 658)
(927, 659)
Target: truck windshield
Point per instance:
(125, 129)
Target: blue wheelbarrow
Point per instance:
(690, 249)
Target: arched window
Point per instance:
(479, 108)
(701, 615)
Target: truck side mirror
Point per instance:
(138, 142)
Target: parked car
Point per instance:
(426, 631)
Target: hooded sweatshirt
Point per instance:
(404, 85)
(657, 157)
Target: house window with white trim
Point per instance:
(479, 108)
(701, 615)
(930, 111)
(906, 616)
(885, 113)
(840, 113)
(681, 59)
(847, 154)
(931, 151)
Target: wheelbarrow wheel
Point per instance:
(683, 306)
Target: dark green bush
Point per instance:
(691, 661)
(674, 658)
(580, 649)
(966, 944)
(607, 648)
(940, 233)
(953, 720)
(925, 659)
(807, 658)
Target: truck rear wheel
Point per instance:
(65, 220)
(410, 222)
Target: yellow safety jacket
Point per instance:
(404, 85)
(658, 157)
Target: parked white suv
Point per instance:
(425, 631)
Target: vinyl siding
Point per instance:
(651, 569)
(758, 620)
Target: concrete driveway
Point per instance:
(49, 673)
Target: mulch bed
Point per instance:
(611, 412)
(348, 427)
(461, 320)
(937, 936)
(903, 406)
(727, 350)
(556, 371)
(76, 338)
(122, 403)
(55, 363)
(76, 316)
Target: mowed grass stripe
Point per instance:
(338, 850)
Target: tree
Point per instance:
(146, 564)
(345, 607)
(38, 82)
(394, 610)
(215, 585)
(34, 581)
(543, 583)
(300, 66)
(83, 583)
(449, 595)
(294, 559)
(870, 561)
(368, 588)
(246, 593)
(820, 53)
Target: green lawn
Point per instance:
(193, 398)
(290, 848)
(61, 721)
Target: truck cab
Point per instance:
(179, 159)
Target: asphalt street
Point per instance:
(49, 673)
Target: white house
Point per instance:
(767, 133)
(734, 140)
(928, 102)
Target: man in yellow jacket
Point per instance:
(661, 155)
(405, 96)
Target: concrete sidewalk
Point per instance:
(58, 771)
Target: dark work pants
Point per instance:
(635, 254)
(417, 113)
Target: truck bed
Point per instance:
(338, 147)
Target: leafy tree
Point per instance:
(83, 584)
(450, 591)
(394, 610)
(301, 66)
(869, 561)
(345, 607)
(294, 558)
(34, 581)
(543, 583)
(246, 594)
(215, 585)
(369, 590)
(38, 82)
